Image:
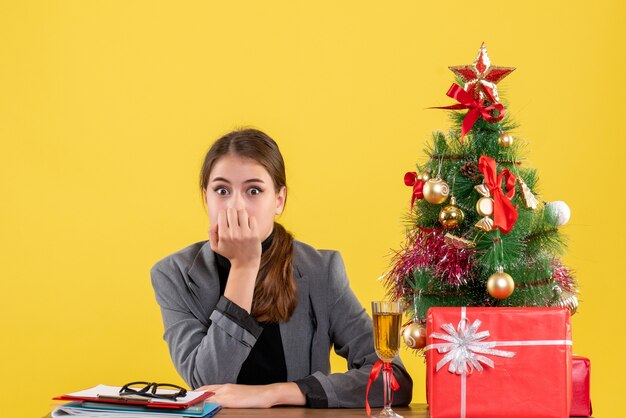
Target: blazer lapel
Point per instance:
(297, 333)
(204, 283)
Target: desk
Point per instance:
(411, 411)
(416, 410)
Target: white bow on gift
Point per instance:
(465, 348)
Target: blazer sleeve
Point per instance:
(351, 332)
(203, 352)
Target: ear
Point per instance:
(281, 197)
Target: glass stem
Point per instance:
(388, 398)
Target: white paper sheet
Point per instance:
(113, 391)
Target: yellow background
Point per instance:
(107, 108)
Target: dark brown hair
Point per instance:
(274, 297)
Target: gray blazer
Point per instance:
(209, 338)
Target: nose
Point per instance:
(236, 201)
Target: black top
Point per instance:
(266, 362)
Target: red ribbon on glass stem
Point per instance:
(374, 375)
(476, 108)
(504, 213)
(410, 179)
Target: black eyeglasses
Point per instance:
(153, 390)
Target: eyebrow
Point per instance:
(222, 179)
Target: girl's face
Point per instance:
(242, 183)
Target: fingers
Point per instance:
(221, 394)
(222, 223)
(242, 214)
(236, 237)
(254, 227)
(209, 388)
(237, 223)
(242, 396)
(233, 221)
(214, 235)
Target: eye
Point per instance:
(253, 191)
(221, 191)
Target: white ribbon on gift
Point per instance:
(466, 350)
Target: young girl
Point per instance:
(252, 314)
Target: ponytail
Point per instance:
(275, 296)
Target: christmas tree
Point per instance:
(478, 233)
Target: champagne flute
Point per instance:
(387, 320)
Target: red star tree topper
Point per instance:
(481, 77)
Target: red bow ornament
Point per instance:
(376, 368)
(476, 108)
(410, 179)
(504, 213)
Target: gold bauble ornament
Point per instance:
(414, 336)
(436, 191)
(451, 216)
(425, 176)
(566, 299)
(484, 206)
(505, 140)
(500, 285)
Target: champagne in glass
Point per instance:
(387, 321)
(387, 335)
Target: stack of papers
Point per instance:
(104, 401)
(95, 410)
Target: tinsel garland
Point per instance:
(451, 264)
(563, 276)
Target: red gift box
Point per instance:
(581, 400)
(498, 362)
